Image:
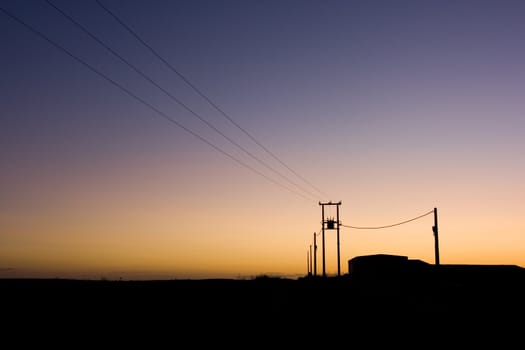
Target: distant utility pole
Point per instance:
(330, 224)
(307, 264)
(436, 239)
(315, 254)
(310, 271)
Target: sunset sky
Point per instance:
(113, 166)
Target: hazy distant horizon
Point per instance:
(138, 275)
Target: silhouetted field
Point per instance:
(312, 310)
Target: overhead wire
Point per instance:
(387, 226)
(174, 98)
(206, 98)
(144, 102)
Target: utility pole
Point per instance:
(310, 272)
(322, 240)
(330, 224)
(315, 254)
(307, 264)
(338, 247)
(436, 239)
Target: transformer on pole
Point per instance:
(331, 224)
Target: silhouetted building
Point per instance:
(382, 266)
(385, 266)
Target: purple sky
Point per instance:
(393, 107)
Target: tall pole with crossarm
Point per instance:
(322, 240)
(331, 224)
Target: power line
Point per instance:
(185, 106)
(206, 98)
(387, 226)
(147, 104)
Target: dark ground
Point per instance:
(471, 308)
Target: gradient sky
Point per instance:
(392, 107)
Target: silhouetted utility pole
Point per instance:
(330, 224)
(310, 271)
(315, 254)
(307, 264)
(436, 239)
